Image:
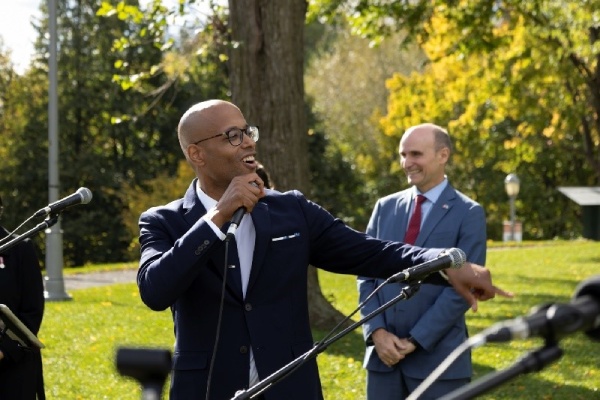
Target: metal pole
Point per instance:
(55, 285)
(512, 218)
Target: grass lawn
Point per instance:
(82, 335)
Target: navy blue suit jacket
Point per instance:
(435, 315)
(181, 267)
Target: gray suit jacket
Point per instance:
(434, 316)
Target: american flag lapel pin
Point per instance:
(445, 206)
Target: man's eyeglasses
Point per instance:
(236, 135)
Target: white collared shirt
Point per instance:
(245, 236)
(432, 196)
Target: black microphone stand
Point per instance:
(531, 362)
(406, 293)
(48, 222)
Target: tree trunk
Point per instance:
(267, 83)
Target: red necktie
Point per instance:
(414, 226)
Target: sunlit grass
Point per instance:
(82, 335)
(537, 273)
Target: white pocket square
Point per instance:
(293, 235)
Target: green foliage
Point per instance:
(106, 137)
(113, 141)
(159, 191)
(335, 186)
(345, 83)
(82, 335)
(498, 108)
(515, 83)
(23, 144)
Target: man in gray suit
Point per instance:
(408, 341)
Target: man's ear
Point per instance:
(444, 154)
(195, 154)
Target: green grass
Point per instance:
(548, 272)
(82, 335)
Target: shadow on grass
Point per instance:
(528, 386)
(350, 345)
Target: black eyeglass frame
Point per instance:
(250, 131)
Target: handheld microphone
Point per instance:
(235, 221)
(237, 218)
(583, 313)
(450, 258)
(82, 196)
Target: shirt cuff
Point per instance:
(214, 227)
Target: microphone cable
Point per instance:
(357, 309)
(11, 235)
(320, 345)
(220, 318)
(472, 342)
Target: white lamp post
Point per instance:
(511, 184)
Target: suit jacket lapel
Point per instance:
(194, 211)
(192, 204)
(404, 209)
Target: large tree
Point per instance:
(263, 46)
(267, 82)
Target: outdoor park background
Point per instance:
(332, 88)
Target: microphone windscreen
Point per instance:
(457, 257)
(85, 194)
(590, 287)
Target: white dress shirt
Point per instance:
(245, 237)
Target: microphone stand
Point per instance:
(531, 362)
(406, 293)
(48, 222)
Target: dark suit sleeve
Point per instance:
(338, 248)
(26, 296)
(31, 309)
(366, 286)
(172, 254)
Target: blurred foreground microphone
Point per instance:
(590, 289)
(81, 196)
(555, 320)
(149, 366)
(449, 258)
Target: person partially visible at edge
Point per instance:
(265, 176)
(22, 291)
(261, 311)
(409, 340)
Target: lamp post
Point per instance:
(511, 184)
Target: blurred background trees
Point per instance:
(515, 83)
